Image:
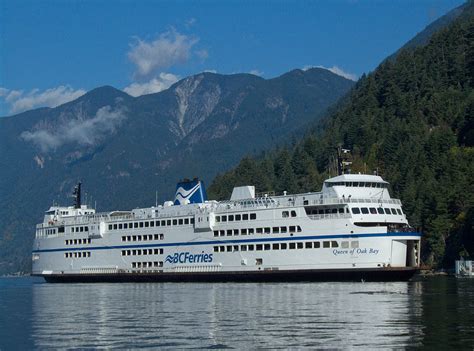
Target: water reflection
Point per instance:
(366, 315)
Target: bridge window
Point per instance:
(243, 248)
(259, 230)
(276, 230)
(231, 218)
(393, 211)
(387, 211)
(251, 231)
(355, 210)
(267, 230)
(285, 214)
(293, 213)
(243, 231)
(283, 246)
(373, 210)
(317, 244)
(266, 247)
(334, 244)
(250, 247)
(399, 211)
(224, 218)
(276, 246)
(292, 246)
(238, 217)
(344, 244)
(308, 245)
(245, 217)
(380, 210)
(253, 216)
(299, 245)
(326, 244)
(364, 210)
(283, 230)
(355, 244)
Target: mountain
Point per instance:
(413, 120)
(125, 149)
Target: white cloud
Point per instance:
(190, 22)
(155, 85)
(168, 49)
(19, 101)
(210, 71)
(78, 130)
(336, 70)
(256, 72)
(202, 54)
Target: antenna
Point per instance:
(156, 198)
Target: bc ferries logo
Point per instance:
(187, 257)
(190, 191)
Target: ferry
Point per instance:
(351, 230)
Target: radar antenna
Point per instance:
(77, 195)
(343, 161)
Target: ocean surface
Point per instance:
(432, 312)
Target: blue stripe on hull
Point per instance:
(238, 241)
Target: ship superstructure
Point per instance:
(351, 229)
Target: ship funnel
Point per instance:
(190, 192)
(77, 195)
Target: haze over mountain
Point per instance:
(124, 149)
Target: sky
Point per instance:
(52, 51)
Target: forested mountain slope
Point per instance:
(413, 120)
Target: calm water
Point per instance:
(431, 312)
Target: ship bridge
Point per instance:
(356, 186)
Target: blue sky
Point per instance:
(54, 51)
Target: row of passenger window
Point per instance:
(286, 246)
(154, 264)
(80, 241)
(252, 231)
(327, 210)
(358, 184)
(79, 229)
(147, 237)
(142, 252)
(378, 210)
(152, 224)
(236, 217)
(75, 254)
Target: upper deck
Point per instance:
(341, 190)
